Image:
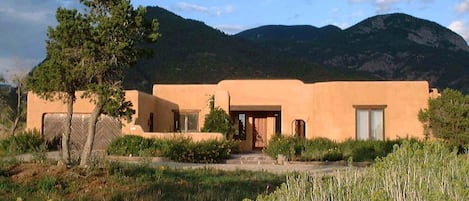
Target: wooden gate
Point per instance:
(107, 129)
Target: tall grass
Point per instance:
(412, 172)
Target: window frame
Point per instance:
(369, 109)
(186, 113)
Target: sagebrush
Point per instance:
(414, 171)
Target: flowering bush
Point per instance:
(179, 149)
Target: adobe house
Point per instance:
(261, 109)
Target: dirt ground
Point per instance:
(95, 183)
(82, 182)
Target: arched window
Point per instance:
(299, 128)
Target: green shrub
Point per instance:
(131, 145)
(321, 149)
(179, 149)
(413, 171)
(219, 121)
(24, 142)
(281, 145)
(367, 150)
(210, 151)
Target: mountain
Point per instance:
(191, 52)
(289, 33)
(391, 47)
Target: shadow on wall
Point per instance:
(163, 117)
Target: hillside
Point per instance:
(270, 33)
(191, 52)
(391, 47)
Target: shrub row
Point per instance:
(323, 149)
(25, 142)
(413, 171)
(178, 149)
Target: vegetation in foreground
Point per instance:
(323, 149)
(30, 141)
(414, 171)
(178, 149)
(447, 118)
(116, 181)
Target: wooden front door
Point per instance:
(259, 131)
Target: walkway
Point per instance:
(250, 162)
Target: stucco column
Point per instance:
(222, 100)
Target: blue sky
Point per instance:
(233, 16)
(24, 22)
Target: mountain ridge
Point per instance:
(391, 47)
(189, 51)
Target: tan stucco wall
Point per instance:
(333, 114)
(327, 107)
(172, 98)
(37, 107)
(143, 104)
(291, 95)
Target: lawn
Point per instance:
(117, 181)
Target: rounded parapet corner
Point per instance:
(434, 93)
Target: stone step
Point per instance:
(250, 158)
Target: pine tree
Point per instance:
(447, 117)
(116, 31)
(62, 73)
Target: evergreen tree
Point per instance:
(116, 30)
(447, 117)
(64, 69)
(90, 51)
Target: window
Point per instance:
(241, 127)
(370, 123)
(186, 121)
(300, 128)
(278, 123)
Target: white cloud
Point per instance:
(386, 6)
(462, 7)
(230, 29)
(343, 25)
(358, 1)
(192, 7)
(24, 27)
(183, 6)
(34, 16)
(11, 67)
(460, 27)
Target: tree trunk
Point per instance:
(88, 147)
(15, 125)
(67, 131)
(18, 108)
